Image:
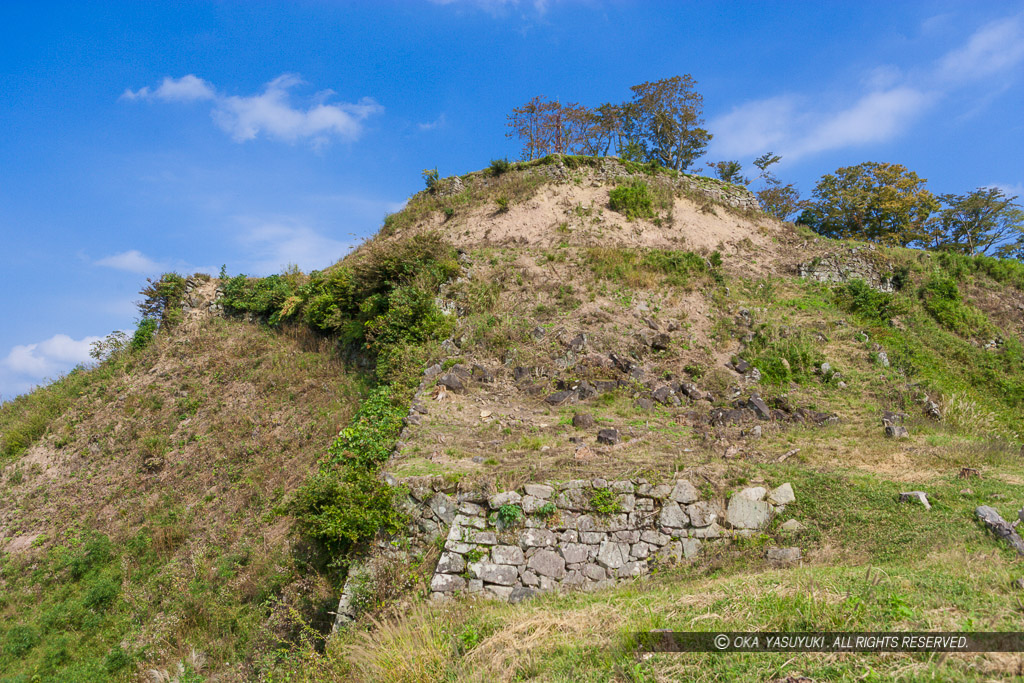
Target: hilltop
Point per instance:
(203, 497)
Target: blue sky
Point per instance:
(137, 138)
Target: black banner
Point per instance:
(829, 641)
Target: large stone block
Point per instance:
(575, 552)
(548, 563)
(539, 490)
(444, 506)
(684, 492)
(673, 516)
(501, 574)
(447, 583)
(504, 498)
(538, 538)
(612, 555)
(451, 563)
(702, 513)
(782, 495)
(507, 554)
(744, 513)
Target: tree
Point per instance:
(668, 114)
(729, 171)
(984, 221)
(776, 199)
(550, 127)
(872, 201)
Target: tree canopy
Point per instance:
(661, 123)
(872, 201)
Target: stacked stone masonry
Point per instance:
(555, 536)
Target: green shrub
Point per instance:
(143, 336)
(633, 201)
(367, 442)
(101, 593)
(20, 639)
(940, 296)
(344, 508)
(859, 297)
(768, 349)
(502, 202)
(499, 166)
(546, 510)
(430, 177)
(509, 515)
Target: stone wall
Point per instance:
(583, 534)
(844, 267)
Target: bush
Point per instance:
(143, 336)
(499, 166)
(940, 296)
(343, 509)
(859, 297)
(768, 349)
(633, 201)
(605, 501)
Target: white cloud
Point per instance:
(995, 48)
(436, 123)
(270, 113)
(888, 103)
(275, 243)
(27, 365)
(188, 88)
(132, 261)
(788, 126)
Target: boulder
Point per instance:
(743, 513)
(583, 421)
(452, 382)
(507, 554)
(504, 498)
(784, 555)
(702, 513)
(783, 495)
(520, 593)
(673, 516)
(501, 574)
(608, 436)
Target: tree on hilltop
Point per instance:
(872, 201)
(985, 221)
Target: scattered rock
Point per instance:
(784, 555)
(608, 436)
(883, 359)
(452, 382)
(661, 341)
(782, 495)
(505, 498)
(741, 366)
(559, 397)
(583, 421)
(643, 403)
(897, 432)
(916, 497)
(1018, 584)
(759, 407)
(1000, 527)
(968, 473)
(792, 526)
(931, 409)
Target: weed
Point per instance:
(605, 502)
(633, 201)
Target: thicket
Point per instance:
(383, 305)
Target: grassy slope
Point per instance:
(150, 504)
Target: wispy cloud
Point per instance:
(28, 365)
(185, 89)
(888, 103)
(996, 48)
(439, 122)
(274, 243)
(270, 113)
(132, 261)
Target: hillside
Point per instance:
(550, 341)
